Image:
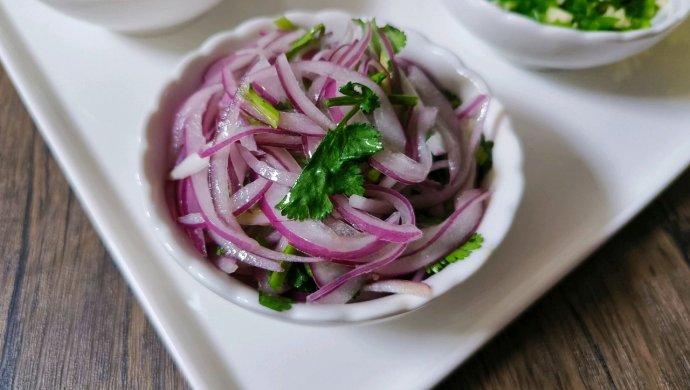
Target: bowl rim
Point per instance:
(386, 307)
(678, 14)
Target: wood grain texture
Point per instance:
(68, 320)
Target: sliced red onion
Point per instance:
(249, 195)
(291, 142)
(441, 239)
(435, 145)
(299, 123)
(384, 256)
(264, 170)
(384, 117)
(229, 250)
(189, 166)
(373, 225)
(370, 205)
(314, 237)
(350, 59)
(341, 294)
(253, 217)
(399, 287)
(227, 265)
(470, 109)
(194, 220)
(297, 96)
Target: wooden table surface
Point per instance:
(68, 320)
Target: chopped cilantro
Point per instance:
(373, 175)
(316, 33)
(484, 158)
(275, 302)
(397, 37)
(358, 95)
(284, 106)
(283, 23)
(403, 100)
(300, 278)
(275, 279)
(220, 251)
(602, 15)
(378, 77)
(268, 113)
(334, 169)
(453, 99)
(475, 242)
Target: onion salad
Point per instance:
(328, 169)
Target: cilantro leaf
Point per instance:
(333, 169)
(452, 98)
(356, 94)
(464, 251)
(484, 157)
(275, 302)
(310, 36)
(299, 278)
(283, 23)
(361, 23)
(396, 36)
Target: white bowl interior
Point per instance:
(506, 180)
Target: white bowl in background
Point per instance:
(134, 15)
(506, 181)
(528, 42)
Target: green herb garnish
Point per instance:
(334, 167)
(484, 157)
(266, 111)
(275, 278)
(313, 35)
(358, 95)
(475, 242)
(452, 98)
(275, 302)
(284, 106)
(589, 15)
(378, 77)
(301, 279)
(403, 100)
(283, 23)
(397, 38)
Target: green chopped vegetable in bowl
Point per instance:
(588, 15)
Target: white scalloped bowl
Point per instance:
(134, 16)
(506, 181)
(534, 44)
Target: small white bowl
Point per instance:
(134, 16)
(534, 44)
(506, 181)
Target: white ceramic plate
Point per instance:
(599, 145)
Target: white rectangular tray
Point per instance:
(600, 144)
